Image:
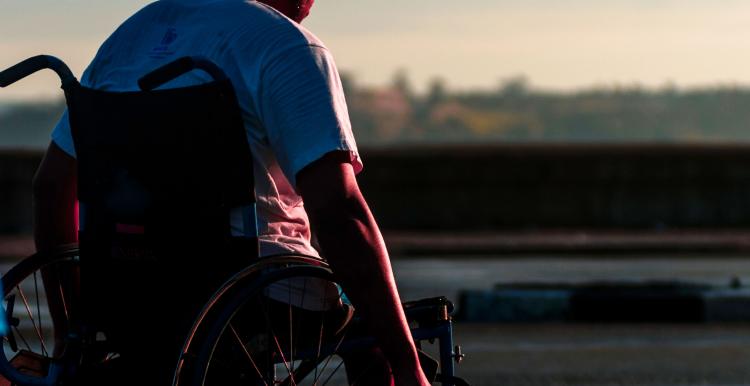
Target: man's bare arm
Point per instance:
(54, 190)
(351, 242)
(54, 200)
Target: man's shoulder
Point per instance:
(271, 22)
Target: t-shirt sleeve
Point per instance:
(62, 136)
(303, 109)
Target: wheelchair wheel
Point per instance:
(34, 346)
(267, 327)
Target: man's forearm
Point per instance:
(351, 242)
(54, 214)
(54, 221)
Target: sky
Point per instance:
(556, 44)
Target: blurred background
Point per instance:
(573, 174)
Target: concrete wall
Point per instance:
(517, 187)
(574, 186)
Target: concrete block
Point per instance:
(514, 305)
(621, 302)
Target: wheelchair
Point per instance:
(135, 301)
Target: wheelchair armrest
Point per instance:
(428, 310)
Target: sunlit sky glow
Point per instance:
(557, 44)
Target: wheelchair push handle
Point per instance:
(34, 64)
(179, 67)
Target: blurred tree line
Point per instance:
(513, 112)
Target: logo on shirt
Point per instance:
(169, 37)
(163, 49)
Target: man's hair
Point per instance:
(296, 10)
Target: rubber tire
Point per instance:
(216, 322)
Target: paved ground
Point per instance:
(587, 355)
(579, 355)
(583, 355)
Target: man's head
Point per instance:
(296, 10)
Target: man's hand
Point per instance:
(351, 242)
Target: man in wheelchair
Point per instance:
(304, 162)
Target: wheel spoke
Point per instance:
(62, 295)
(320, 340)
(320, 346)
(23, 339)
(250, 357)
(328, 360)
(31, 316)
(302, 303)
(333, 373)
(278, 346)
(32, 328)
(10, 306)
(291, 326)
(362, 373)
(39, 313)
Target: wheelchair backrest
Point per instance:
(169, 164)
(161, 177)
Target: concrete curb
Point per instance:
(574, 241)
(672, 302)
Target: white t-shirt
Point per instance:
(286, 81)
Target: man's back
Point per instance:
(286, 83)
